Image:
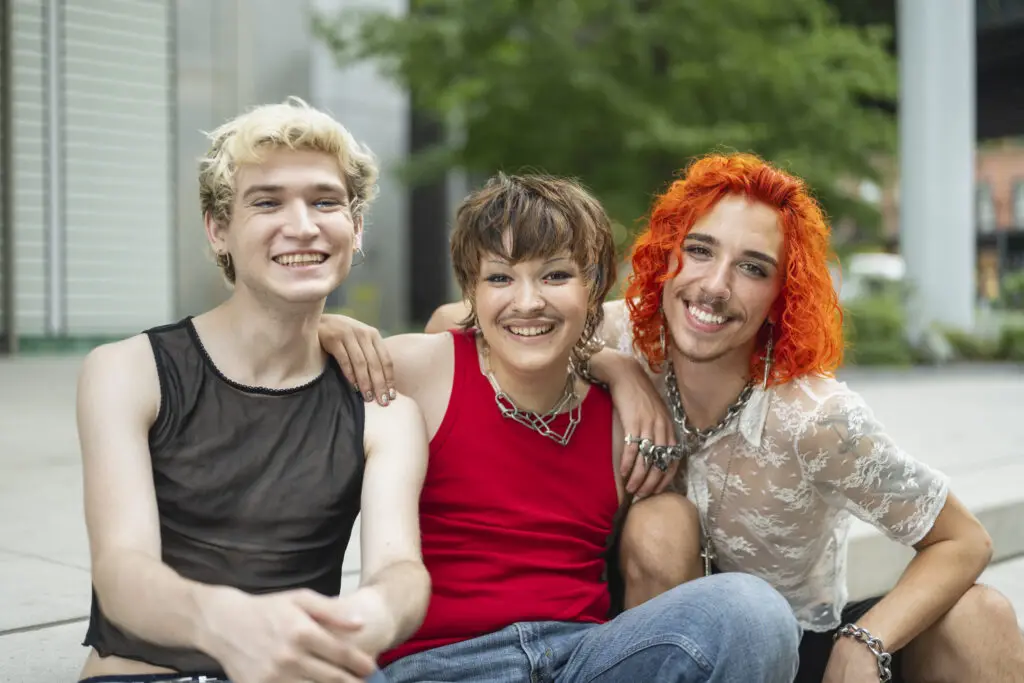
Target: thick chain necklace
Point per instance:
(693, 441)
(540, 423)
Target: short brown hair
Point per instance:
(524, 217)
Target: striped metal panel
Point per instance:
(27, 51)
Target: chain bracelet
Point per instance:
(874, 644)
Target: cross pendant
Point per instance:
(709, 555)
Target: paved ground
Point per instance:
(964, 421)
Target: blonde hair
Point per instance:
(293, 124)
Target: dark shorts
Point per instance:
(815, 648)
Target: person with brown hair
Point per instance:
(731, 328)
(524, 483)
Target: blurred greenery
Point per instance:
(1011, 291)
(623, 93)
(875, 332)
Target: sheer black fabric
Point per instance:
(257, 488)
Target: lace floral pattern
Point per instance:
(807, 456)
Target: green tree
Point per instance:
(622, 93)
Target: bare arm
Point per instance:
(948, 562)
(393, 576)
(641, 407)
(118, 399)
(447, 316)
(853, 463)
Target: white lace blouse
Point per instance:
(805, 456)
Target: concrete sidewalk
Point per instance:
(966, 422)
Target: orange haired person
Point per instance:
(732, 324)
(732, 310)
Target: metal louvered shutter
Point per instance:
(28, 170)
(118, 164)
(7, 344)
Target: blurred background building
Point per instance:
(104, 101)
(104, 104)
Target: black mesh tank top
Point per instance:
(256, 488)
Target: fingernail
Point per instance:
(393, 394)
(383, 399)
(369, 395)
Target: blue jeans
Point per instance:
(377, 677)
(729, 628)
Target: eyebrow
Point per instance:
(503, 262)
(277, 189)
(750, 253)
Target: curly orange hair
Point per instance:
(809, 321)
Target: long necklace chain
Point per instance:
(540, 423)
(694, 440)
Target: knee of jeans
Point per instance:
(749, 599)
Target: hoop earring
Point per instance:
(768, 356)
(358, 250)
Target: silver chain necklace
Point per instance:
(540, 423)
(693, 441)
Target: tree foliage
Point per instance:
(623, 93)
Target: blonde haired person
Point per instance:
(226, 457)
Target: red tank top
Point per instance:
(513, 525)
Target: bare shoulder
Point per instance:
(421, 360)
(120, 375)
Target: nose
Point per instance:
(528, 298)
(299, 222)
(718, 281)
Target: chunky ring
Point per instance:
(661, 456)
(655, 454)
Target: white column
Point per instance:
(936, 43)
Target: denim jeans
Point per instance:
(377, 677)
(729, 628)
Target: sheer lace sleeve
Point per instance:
(854, 464)
(615, 328)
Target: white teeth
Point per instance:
(530, 331)
(705, 317)
(300, 259)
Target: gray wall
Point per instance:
(231, 55)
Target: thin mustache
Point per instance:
(718, 305)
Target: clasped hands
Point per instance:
(296, 636)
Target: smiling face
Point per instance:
(291, 234)
(729, 281)
(531, 313)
